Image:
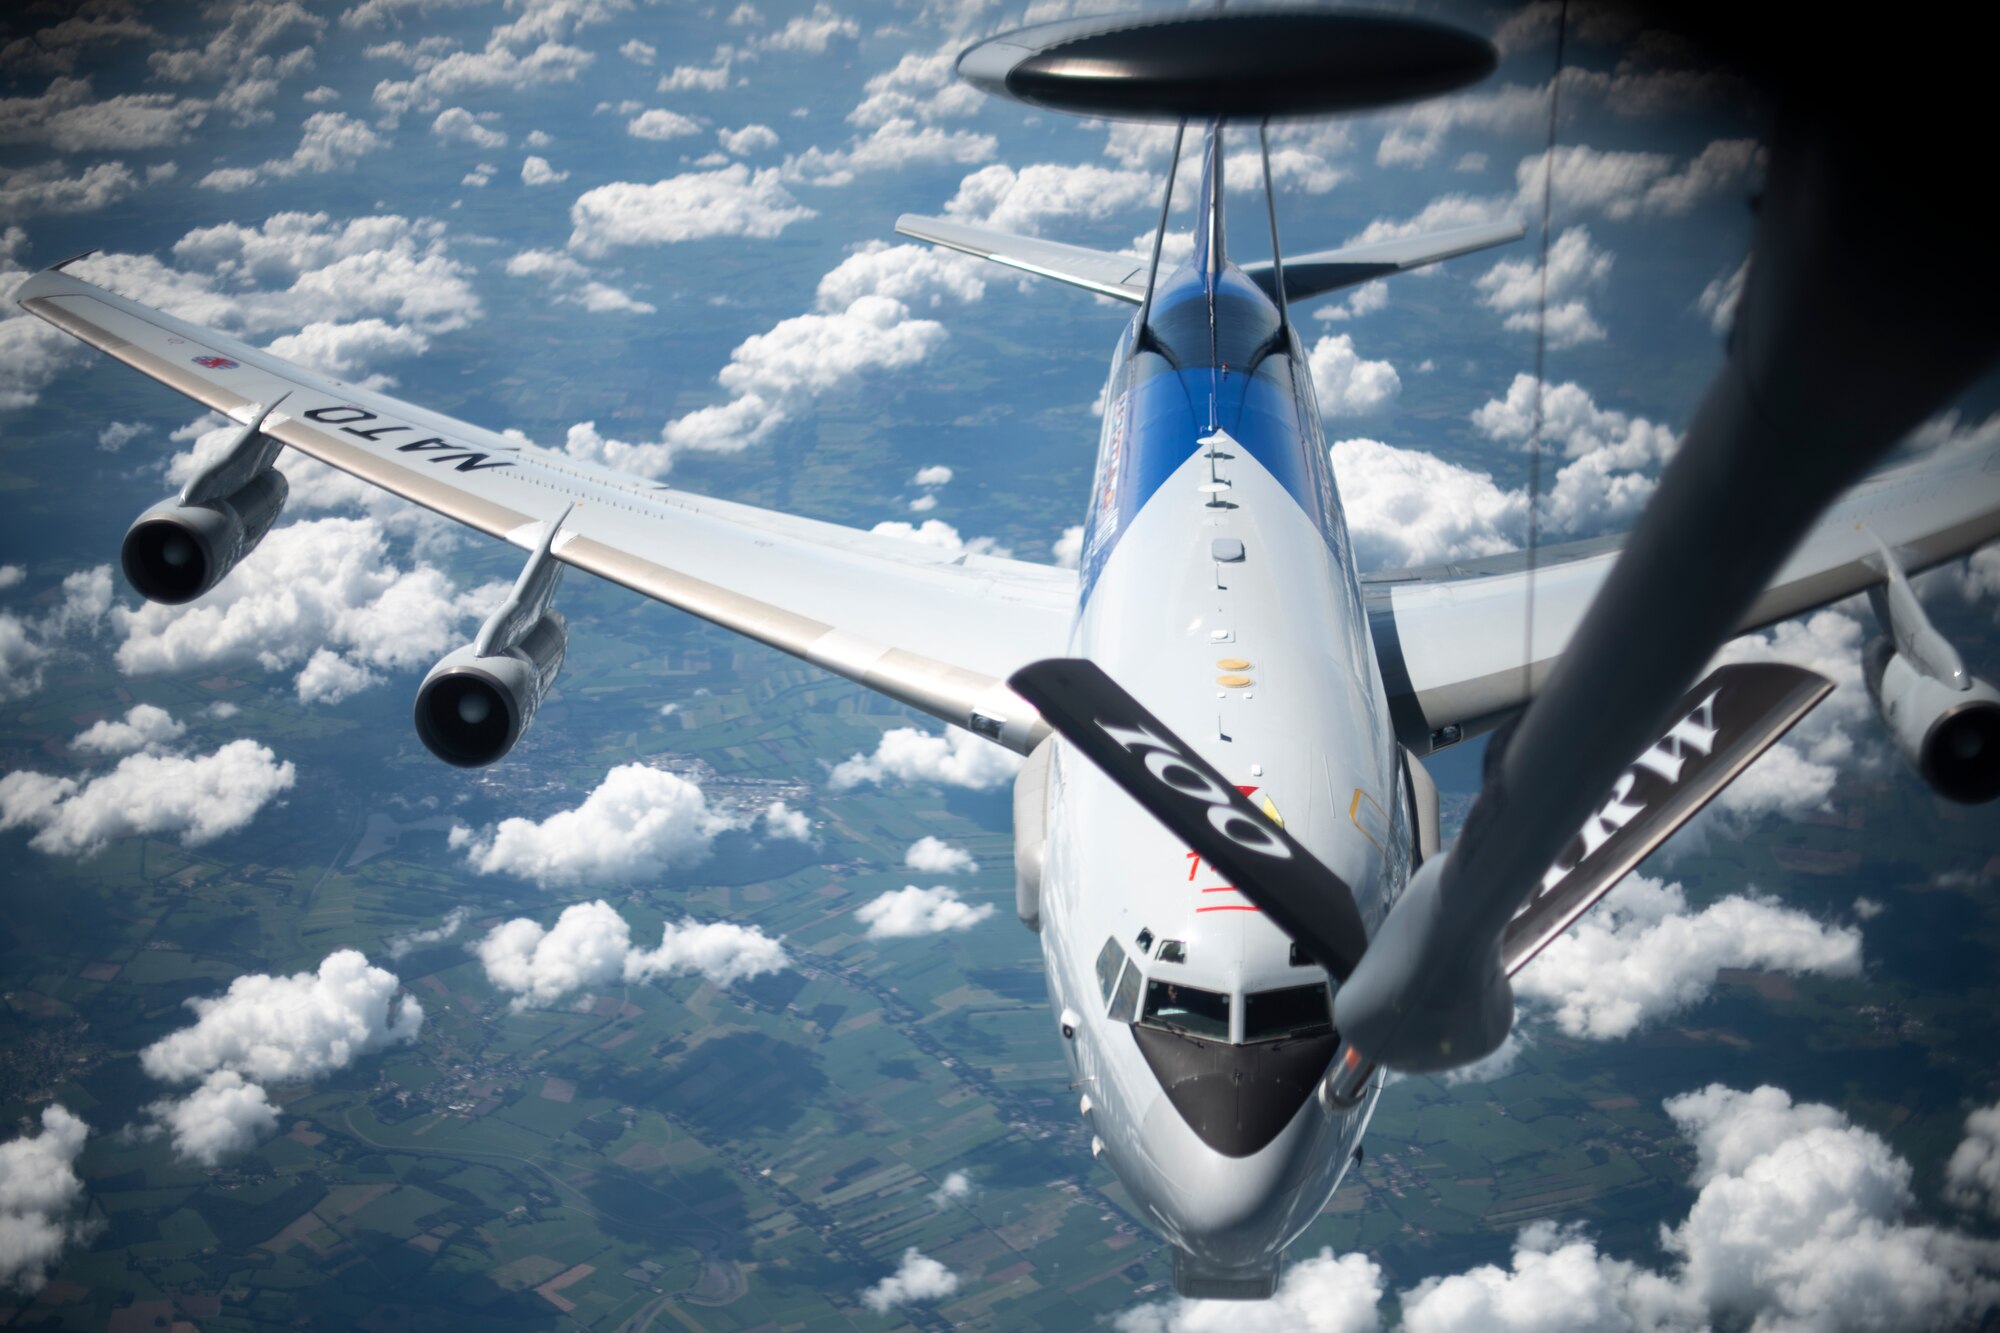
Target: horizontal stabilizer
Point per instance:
(1719, 728)
(1100, 271)
(1325, 271)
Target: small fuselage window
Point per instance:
(1295, 1011)
(1177, 1008)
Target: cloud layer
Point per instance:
(1797, 1224)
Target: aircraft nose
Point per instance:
(1230, 1209)
(1236, 1099)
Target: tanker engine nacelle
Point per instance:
(1945, 720)
(473, 707)
(183, 546)
(1950, 736)
(479, 700)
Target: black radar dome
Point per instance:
(1233, 63)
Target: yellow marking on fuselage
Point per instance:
(1353, 815)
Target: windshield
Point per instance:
(1176, 1008)
(1296, 1011)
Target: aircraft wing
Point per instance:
(935, 629)
(1451, 639)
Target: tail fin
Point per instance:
(1210, 254)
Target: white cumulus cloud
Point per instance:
(1348, 385)
(781, 821)
(1972, 1176)
(749, 139)
(955, 1187)
(287, 1028)
(267, 1029)
(1640, 955)
(918, 1278)
(1322, 1294)
(39, 1191)
(732, 201)
(226, 1115)
(144, 727)
(935, 856)
(200, 798)
(909, 911)
(457, 125)
(1023, 201)
(590, 946)
(1405, 507)
(1798, 1224)
(402, 945)
(1795, 776)
(956, 759)
(936, 532)
(659, 124)
(1516, 288)
(637, 823)
(537, 171)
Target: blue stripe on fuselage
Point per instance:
(1157, 410)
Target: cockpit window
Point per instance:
(1172, 951)
(1177, 1008)
(1108, 960)
(1295, 1011)
(1126, 1001)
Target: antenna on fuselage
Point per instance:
(1271, 207)
(1540, 421)
(1160, 234)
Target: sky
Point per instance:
(661, 237)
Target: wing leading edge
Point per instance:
(934, 629)
(1451, 639)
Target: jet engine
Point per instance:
(1951, 736)
(480, 699)
(474, 706)
(1945, 720)
(184, 545)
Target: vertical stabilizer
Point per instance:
(1209, 251)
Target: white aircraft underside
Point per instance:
(1219, 589)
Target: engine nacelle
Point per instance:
(176, 551)
(471, 709)
(1950, 736)
(1031, 833)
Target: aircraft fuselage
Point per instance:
(1218, 585)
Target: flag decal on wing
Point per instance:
(215, 362)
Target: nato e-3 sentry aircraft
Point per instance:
(1242, 904)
